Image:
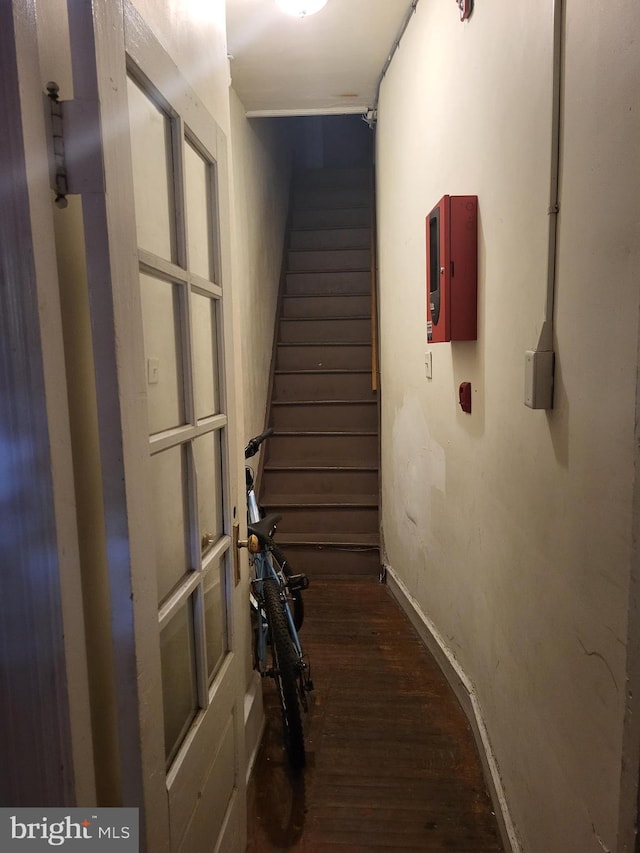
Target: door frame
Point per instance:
(47, 739)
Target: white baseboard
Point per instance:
(253, 721)
(466, 695)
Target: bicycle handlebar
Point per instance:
(254, 443)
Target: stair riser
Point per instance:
(325, 417)
(325, 331)
(301, 482)
(357, 416)
(354, 216)
(314, 198)
(344, 357)
(323, 450)
(331, 238)
(326, 306)
(343, 281)
(324, 520)
(338, 259)
(334, 177)
(318, 562)
(322, 386)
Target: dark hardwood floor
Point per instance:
(391, 761)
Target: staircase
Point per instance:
(321, 467)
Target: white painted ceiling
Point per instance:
(326, 63)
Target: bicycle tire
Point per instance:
(296, 596)
(287, 675)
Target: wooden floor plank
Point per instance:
(391, 761)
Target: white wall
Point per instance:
(260, 175)
(512, 528)
(261, 154)
(194, 34)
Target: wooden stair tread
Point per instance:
(323, 344)
(351, 401)
(345, 540)
(325, 270)
(347, 271)
(337, 461)
(283, 466)
(320, 501)
(315, 370)
(318, 344)
(324, 319)
(325, 230)
(325, 295)
(350, 227)
(301, 250)
(320, 433)
(320, 208)
(333, 176)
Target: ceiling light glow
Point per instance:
(301, 8)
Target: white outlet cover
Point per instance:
(427, 365)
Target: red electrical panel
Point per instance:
(452, 269)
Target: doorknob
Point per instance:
(251, 544)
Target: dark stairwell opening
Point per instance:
(321, 466)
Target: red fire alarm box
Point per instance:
(452, 269)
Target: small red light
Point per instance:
(466, 8)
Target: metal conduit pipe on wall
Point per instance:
(540, 363)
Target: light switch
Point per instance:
(153, 371)
(427, 365)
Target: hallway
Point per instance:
(391, 763)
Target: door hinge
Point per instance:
(75, 158)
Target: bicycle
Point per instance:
(277, 615)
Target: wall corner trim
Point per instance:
(466, 695)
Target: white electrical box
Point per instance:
(538, 379)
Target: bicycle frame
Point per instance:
(277, 612)
(264, 569)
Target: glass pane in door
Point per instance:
(207, 452)
(152, 159)
(170, 515)
(205, 355)
(162, 331)
(180, 694)
(197, 179)
(214, 614)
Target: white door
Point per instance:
(156, 252)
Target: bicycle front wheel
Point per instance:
(287, 675)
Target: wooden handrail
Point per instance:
(374, 285)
